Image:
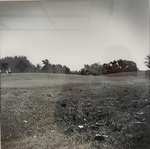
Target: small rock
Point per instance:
(140, 113)
(105, 136)
(84, 119)
(99, 124)
(143, 120)
(81, 126)
(25, 121)
(52, 131)
(99, 137)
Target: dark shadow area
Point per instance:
(108, 116)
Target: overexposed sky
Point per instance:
(76, 32)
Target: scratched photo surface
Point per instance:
(75, 74)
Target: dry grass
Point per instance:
(30, 109)
(50, 140)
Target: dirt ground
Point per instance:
(54, 111)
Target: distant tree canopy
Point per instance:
(54, 68)
(38, 67)
(46, 66)
(119, 66)
(66, 70)
(93, 69)
(21, 65)
(4, 66)
(147, 61)
(17, 64)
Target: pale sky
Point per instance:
(76, 32)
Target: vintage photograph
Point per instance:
(75, 74)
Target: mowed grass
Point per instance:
(32, 119)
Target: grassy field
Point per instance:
(55, 111)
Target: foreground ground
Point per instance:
(50, 111)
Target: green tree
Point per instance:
(119, 66)
(46, 63)
(16, 62)
(66, 70)
(83, 72)
(93, 69)
(38, 66)
(21, 65)
(147, 61)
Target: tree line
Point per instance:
(22, 64)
